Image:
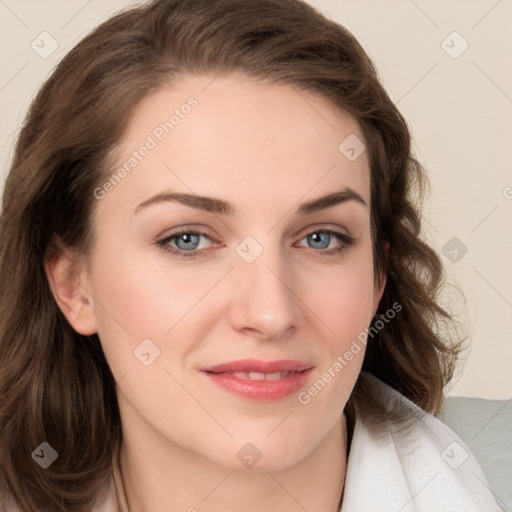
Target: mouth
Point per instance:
(261, 375)
(260, 380)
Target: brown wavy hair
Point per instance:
(55, 384)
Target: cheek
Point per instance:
(144, 298)
(345, 309)
(342, 299)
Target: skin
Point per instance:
(265, 149)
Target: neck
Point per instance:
(186, 481)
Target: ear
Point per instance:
(68, 279)
(379, 284)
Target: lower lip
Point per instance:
(263, 390)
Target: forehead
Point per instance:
(240, 139)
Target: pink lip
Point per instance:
(255, 365)
(262, 390)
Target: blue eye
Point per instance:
(328, 241)
(187, 241)
(319, 240)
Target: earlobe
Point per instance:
(68, 282)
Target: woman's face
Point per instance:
(232, 267)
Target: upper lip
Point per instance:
(256, 365)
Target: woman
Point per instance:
(218, 298)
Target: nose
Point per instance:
(266, 303)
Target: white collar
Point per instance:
(416, 465)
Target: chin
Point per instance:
(260, 454)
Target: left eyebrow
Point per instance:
(330, 200)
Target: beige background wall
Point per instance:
(446, 64)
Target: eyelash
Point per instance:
(163, 243)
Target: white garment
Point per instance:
(424, 467)
(393, 466)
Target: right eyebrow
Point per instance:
(207, 204)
